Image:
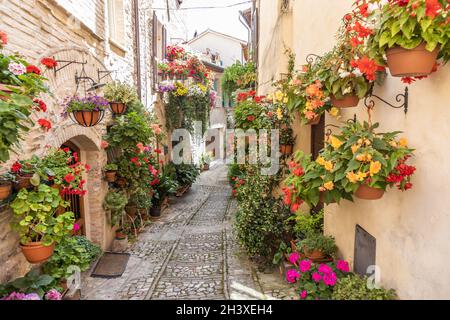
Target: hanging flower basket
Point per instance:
(348, 101)
(368, 193)
(411, 63)
(118, 108)
(36, 252)
(88, 118)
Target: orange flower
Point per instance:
(312, 90)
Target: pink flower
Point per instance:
(325, 269)
(141, 147)
(305, 266)
(53, 295)
(17, 68)
(76, 227)
(104, 144)
(293, 258)
(316, 277)
(343, 266)
(292, 276)
(330, 279)
(304, 294)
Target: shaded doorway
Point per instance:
(76, 201)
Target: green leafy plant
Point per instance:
(72, 251)
(115, 203)
(238, 76)
(129, 130)
(111, 167)
(287, 136)
(307, 223)
(165, 187)
(117, 91)
(355, 287)
(281, 252)
(141, 199)
(408, 24)
(33, 282)
(34, 216)
(183, 174)
(318, 241)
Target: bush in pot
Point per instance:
(115, 203)
(111, 172)
(6, 183)
(366, 163)
(36, 222)
(72, 251)
(164, 186)
(119, 96)
(317, 246)
(287, 140)
(33, 286)
(412, 34)
(355, 287)
(25, 171)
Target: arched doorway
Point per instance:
(76, 201)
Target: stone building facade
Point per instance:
(410, 229)
(98, 36)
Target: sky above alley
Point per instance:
(225, 20)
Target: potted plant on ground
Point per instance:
(115, 203)
(366, 163)
(119, 96)
(6, 183)
(412, 35)
(318, 247)
(205, 161)
(87, 111)
(111, 172)
(163, 186)
(37, 224)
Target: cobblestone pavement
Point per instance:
(190, 254)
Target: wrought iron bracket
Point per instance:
(402, 98)
(102, 74)
(311, 58)
(67, 63)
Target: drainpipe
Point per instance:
(137, 40)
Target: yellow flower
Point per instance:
(329, 166)
(279, 114)
(329, 185)
(375, 167)
(334, 112)
(202, 87)
(361, 176)
(286, 100)
(355, 148)
(403, 142)
(352, 177)
(335, 142)
(279, 96)
(393, 144)
(309, 106)
(364, 157)
(321, 161)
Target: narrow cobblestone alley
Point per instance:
(190, 253)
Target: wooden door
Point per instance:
(76, 201)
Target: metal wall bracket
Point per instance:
(402, 98)
(67, 63)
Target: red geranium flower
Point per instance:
(50, 63)
(432, 8)
(251, 118)
(33, 69)
(3, 38)
(45, 124)
(16, 167)
(408, 80)
(41, 105)
(69, 178)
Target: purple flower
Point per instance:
(21, 296)
(293, 258)
(292, 276)
(53, 295)
(305, 266)
(343, 266)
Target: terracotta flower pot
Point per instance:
(286, 149)
(314, 121)
(5, 190)
(411, 62)
(121, 182)
(118, 107)
(205, 167)
(111, 176)
(23, 182)
(348, 101)
(36, 252)
(87, 118)
(314, 254)
(368, 193)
